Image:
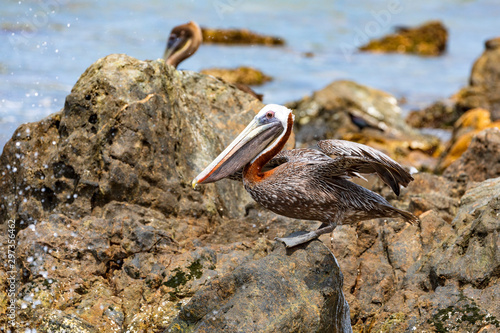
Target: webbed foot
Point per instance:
(301, 239)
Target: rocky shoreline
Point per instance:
(111, 237)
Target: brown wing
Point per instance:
(353, 158)
(310, 156)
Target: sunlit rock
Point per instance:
(244, 75)
(238, 36)
(482, 92)
(428, 39)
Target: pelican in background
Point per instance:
(183, 42)
(307, 183)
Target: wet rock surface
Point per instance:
(111, 237)
(238, 36)
(429, 39)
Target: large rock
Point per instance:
(241, 75)
(110, 234)
(465, 128)
(484, 82)
(130, 131)
(481, 160)
(295, 290)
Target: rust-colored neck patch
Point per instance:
(253, 171)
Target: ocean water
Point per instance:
(48, 44)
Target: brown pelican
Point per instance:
(307, 183)
(183, 42)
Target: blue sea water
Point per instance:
(48, 44)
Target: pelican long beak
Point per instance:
(173, 45)
(250, 143)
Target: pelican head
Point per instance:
(184, 40)
(265, 132)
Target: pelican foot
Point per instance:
(301, 239)
(296, 240)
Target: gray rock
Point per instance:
(484, 82)
(473, 255)
(324, 113)
(110, 232)
(296, 290)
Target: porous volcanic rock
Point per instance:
(441, 275)
(484, 82)
(481, 160)
(465, 128)
(111, 237)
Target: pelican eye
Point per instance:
(270, 114)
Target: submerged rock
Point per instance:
(428, 39)
(243, 75)
(238, 36)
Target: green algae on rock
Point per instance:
(428, 39)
